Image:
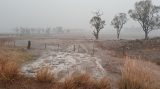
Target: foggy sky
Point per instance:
(66, 13)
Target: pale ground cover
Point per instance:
(62, 64)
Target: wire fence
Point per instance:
(41, 45)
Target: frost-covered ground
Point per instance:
(64, 63)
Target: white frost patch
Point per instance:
(63, 63)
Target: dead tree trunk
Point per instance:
(93, 48)
(146, 35)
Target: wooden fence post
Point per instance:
(78, 48)
(58, 48)
(124, 51)
(14, 44)
(45, 46)
(74, 48)
(29, 45)
(8, 43)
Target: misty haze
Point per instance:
(79, 44)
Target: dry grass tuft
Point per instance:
(10, 60)
(44, 75)
(136, 74)
(8, 69)
(84, 81)
(103, 83)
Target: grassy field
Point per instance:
(121, 72)
(135, 74)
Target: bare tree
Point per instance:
(48, 30)
(97, 24)
(17, 30)
(147, 15)
(118, 22)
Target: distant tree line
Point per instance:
(145, 13)
(48, 30)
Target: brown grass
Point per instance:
(44, 75)
(14, 54)
(78, 81)
(84, 81)
(136, 74)
(8, 70)
(103, 83)
(10, 59)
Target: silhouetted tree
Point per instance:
(17, 30)
(147, 15)
(97, 24)
(48, 30)
(118, 22)
(32, 30)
